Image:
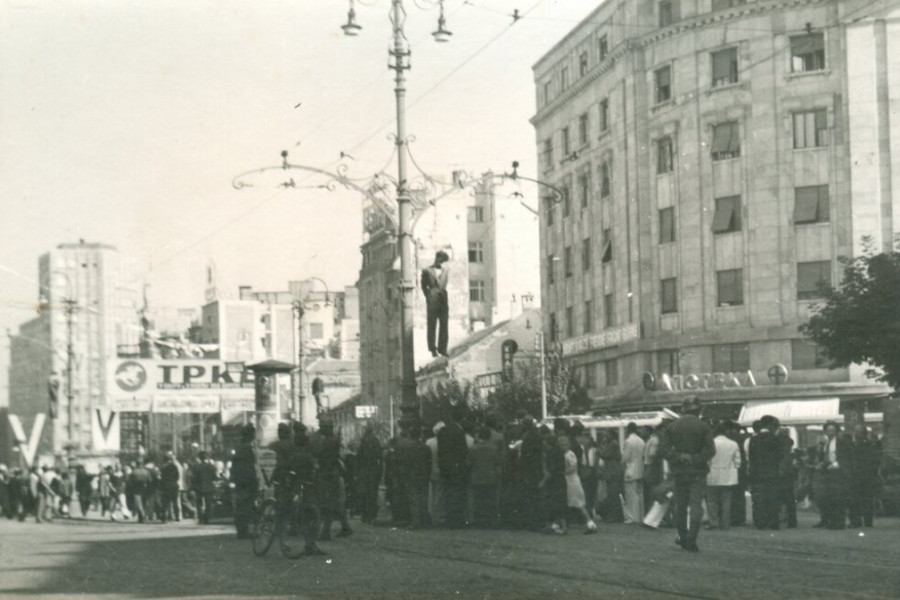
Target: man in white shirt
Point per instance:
(721, 479)
(633, 463)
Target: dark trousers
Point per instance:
(205, 501)
(484, 505)
(418, 504)
(456, 500)
(833, 499)
(788, 500)
(368, 500)
(244, 505)
(766, 505)
(739, 505)
(689, 493)
(437, 315)
(862, 503)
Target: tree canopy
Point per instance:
(859, 321)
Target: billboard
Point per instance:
(178, 386)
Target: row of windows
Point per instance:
(811, 205)
(810, 130)
(812, 278)
(804, 55)
(807, 55)
(726, 358)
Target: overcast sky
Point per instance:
(125, 122)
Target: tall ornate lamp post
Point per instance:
(399, 56)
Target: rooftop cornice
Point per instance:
(655, 36)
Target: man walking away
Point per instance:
(688, 447)
(722, 479)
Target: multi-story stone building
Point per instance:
(717, 157)
(490, 235)
(88, 297)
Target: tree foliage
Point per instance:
(452, 398)
(564, 392)
(859, 322)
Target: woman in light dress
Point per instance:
(574, 491)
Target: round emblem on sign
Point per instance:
(130, 376)
(648, 381)
(777, 374)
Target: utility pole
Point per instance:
(543, 379)
(400, 64)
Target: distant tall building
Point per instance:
(720, 157)
(88, 296)
(492, 239)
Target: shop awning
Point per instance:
(792, 412)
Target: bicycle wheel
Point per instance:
(265, 528)
(292, 541)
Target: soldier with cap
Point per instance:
(688, 447)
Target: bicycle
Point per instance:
(280, 519)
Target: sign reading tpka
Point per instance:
(178, 386)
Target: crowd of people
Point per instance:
(475, 472)
(682, 473)
(141, 491)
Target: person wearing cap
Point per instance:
(688, 447)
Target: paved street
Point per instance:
(90, 559)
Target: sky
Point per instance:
(126, 122)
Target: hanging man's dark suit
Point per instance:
(434, 286)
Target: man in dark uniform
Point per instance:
(169, 480)
(434, 286)
(245, 479)
(688, 446)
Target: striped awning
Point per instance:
(792, 412)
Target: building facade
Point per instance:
(490, 235)
(88, 304)
(716, 158)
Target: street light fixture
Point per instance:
(399, 55)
